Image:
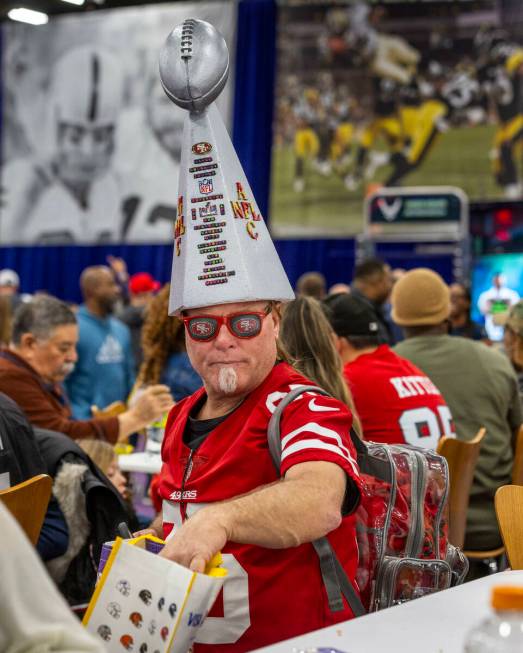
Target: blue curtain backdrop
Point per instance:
(57, 269)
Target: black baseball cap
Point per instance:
(351, 316)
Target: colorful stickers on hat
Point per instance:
(201, 148)
(179, 227)
(227, 243)
(243, 209)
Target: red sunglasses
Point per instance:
(203, 328)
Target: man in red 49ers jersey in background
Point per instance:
(396, 402)
(219, 488)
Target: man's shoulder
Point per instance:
(9, 408)
(11, 369)
(493, 358)
(282, 380)
(119, 328)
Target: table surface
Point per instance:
(145, 461)
(437, 623)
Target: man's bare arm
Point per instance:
(304, 506)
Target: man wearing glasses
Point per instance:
(219, 487)
(221, 492)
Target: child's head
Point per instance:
(104, 457)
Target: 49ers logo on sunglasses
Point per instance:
(246, 325)
(241, 325)
(202, 328)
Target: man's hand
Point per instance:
(199, 539)
(152, 403)
(119, 268)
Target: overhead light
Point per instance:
(28, 16)
(74, 2)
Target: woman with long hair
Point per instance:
(307, 337)
(164, 357)
(5, 320)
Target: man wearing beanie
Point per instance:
(478, 384)
(396, 402)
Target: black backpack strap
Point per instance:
(335, 579)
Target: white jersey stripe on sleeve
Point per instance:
(318, 444)
(313, 427)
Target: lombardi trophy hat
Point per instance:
(223, 252)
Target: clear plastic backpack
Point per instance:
(401, 523)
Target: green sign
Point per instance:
(415, 208)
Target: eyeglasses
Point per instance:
(242, 325)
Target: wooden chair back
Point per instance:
(517, 469)
(461, 457)
(509, 511)
(28, 503)
(112, 410)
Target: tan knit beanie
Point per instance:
(420, 297)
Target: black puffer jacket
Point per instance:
(92, 508)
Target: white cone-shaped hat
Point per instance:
(223, 252)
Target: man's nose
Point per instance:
(87, 147)
(224, 337)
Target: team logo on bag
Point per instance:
(146, 596)
(114, 609)
(195, 619)
(105, 633)
(124, 587)
(127, 642)
(136, 619)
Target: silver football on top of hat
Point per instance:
(194, 64)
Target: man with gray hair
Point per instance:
(41, 354)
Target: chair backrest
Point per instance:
(517, 469)
(112, 410)
(28, 503)
(509, 511)
(461, 457)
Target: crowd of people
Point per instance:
(416, 92)
(397, 348)
(209, 361)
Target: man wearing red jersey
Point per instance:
(218, 472)
(218, 484)
(396, 402)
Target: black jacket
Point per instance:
(104, 506)
(20, 458)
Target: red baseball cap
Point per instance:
(143, 282)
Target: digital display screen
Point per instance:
(497, 284)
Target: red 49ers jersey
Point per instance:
(269, 594)
(396, 402)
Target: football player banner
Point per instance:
(147, 603)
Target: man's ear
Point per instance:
(337, 341)
(276, 318)
(277, 322)
(27, 341)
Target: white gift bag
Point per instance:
(147, 604)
